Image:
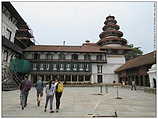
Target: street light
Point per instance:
(117, 91)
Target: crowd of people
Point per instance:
(123, 83)
(53, 89)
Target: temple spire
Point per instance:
(111, 32)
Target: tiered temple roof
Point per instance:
(112, 35)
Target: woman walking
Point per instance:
(50, 90)
(58, 93)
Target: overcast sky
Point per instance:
(76, 22)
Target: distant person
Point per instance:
(114, 82)
(133, 85)
(123, 83)
(50, 91)
(58, 93)
(39, 88)
(25, 87)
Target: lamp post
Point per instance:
(101, 89)
(117, 92)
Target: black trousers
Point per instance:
(23, 98)
(133, 86)
(57, 97)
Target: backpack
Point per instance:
(60, 87)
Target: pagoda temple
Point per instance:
(111, 38)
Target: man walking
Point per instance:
(133, 85)
(58, 93)
(39, 88)
(25, 87)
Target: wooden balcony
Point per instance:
(67, 60)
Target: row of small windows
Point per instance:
(63, 57)
(61, 67)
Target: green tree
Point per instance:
(134, 52)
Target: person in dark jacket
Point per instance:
(25, 87)
(39, 88)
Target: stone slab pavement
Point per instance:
(84, 102)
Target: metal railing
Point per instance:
(10, 79)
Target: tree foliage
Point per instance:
(134, 52)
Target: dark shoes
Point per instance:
(38, 103)
(57, 110)
(51, 111)
(25, 105)
(22, 108)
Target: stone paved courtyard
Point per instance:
(84, 102)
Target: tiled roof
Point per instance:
(111, 38)
(90, 44)
(116, 47)
(139, 61)
(84, 48)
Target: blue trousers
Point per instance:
(49, 99)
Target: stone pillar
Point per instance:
(44, 77)
(29, 77)
(64, 79)
(77, 78)
(139, 80)
(71, 78)
(92, 79)
(84, 78)
(143, 78)
(135, 79)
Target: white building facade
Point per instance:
(12, 23)
(153, 76)
(89, 63)
(8, 31)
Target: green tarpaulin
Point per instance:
(20, 65)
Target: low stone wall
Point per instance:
(89, 85)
